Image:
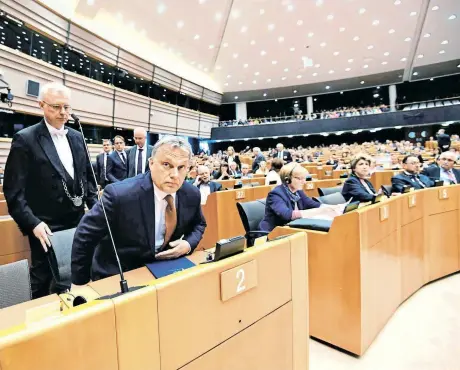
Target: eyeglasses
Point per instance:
(413, 163)
(58, 107)
(299, 178)
(446, 159)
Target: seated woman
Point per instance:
(262, 170)
(223, 173)
(285, 202)
(273, 175)
(357, 186)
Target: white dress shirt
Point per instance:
(122, 158)
(144, 158)
(205, 190)
(447, 175)
(62, 146)
(160, 209)
(105, 165)
(273, 176)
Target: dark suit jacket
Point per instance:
(132, 160)
(116, 169)
(236, 159)
(130, 209)
(214, 186)
(353, 187)
(434, 173)
(286, 156)
(257, 160)
(279, 207)
(33, 180)
(402, 179)
(100, 169)
(443, 140)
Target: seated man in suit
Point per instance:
(285, 202)
(204, 183)
(233, 170)
(245, 171)
(117, 161)
(410, 176)
(153, 216)
(445, 171)
(357, 186)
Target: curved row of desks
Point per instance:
(232, 314)
(374, 258)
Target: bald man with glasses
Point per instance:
(445, 170)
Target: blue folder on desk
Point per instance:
(162, 268)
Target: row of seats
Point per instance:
(432, 104)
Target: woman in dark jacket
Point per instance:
(357, 186)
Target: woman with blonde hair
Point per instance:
(263, 170)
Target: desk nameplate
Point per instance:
(384, 212)
(238, 280)
(240, 194)
(443, 194)
(412, 200)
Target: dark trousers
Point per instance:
(41, 277)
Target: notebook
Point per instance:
(162, 268)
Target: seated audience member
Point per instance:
(191, 175)
(204, 183)
(410, 176)
(245, 171)
(215, 170)
(285, 202)
(263, 170)
(357, 186)
(223, 173)
(394, 162)
(332, 161)
(445, 171)
(233, 170)
(273, 175)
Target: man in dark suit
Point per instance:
(445, 171)
(204, 183)
(101, 163)
(152, 216)
(443, 140)
(48, 180)
(139, 154)
(285, 155)
(258, 157)
(410, 176)
(117, 161)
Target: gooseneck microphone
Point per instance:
(123, 283)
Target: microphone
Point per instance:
(123, 283)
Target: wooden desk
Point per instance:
(322, 172)
(311, 187)
(380, 178)
(337, 173)
(3, 208)
(170, 324)
(2, 196)
(374, 258)
(14, 245)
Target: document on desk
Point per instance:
(162, 268)
(322, 213)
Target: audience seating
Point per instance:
(330, 190)
(311, 187)
(3, 208)
(380, 178)
(331, 198)
(251, 214)
(14, 245)
(60, 257)
(2, 196)
(14, 283)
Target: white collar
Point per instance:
(160, 195)
(54, 131)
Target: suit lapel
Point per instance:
(47, 144)
(147, 204)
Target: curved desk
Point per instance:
(374, 258)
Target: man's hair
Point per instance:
(448, 154)
(409, 156)
(106, 141)
(119, 137)
(359, 157)
(55, 87)
(277, 164)
(256, 148)
(244, 165)
(175, 142)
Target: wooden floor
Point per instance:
(423, 334)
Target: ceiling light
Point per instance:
(246, 65)
(299, 76)
(240, 83)
(299, 22)
(225, 44)
(336, 53)
(256, 73)
(427, 35)
(362, 82)
(442, 52)
(407, 39)
(328, 87)
(365, 66)
(161, 8)
(274, 62)
(397, 2)
(265, 94)
(263, 52)
(376, 22)
(315, 74)
(317, 65)
(196, 37)
(413, 14)
(350, 60)
(271, 27)
(235, 55)
(458, 66)
(362, 11)
(201, 1)
(452, 17)
(236, 97)
(384, 62)
(244, 29)
(415, 73)
(269, 80)
(356, 38)
(376, 95)
(218, 68)
(286, 69)
(254, 82)
(435, 7)
(391, 31)
(431, 79)
(386, 53)
(330, 17)
(211, 46)
(235, 13)
(403, 59)
(370, 47)
(292, 49)
(253, 42)
(280, 39)
(445, 42)
(180, 24)
(420, 56)
(290, 7)
(310, 34)
(295, 91)
(342, 29)
(283, 78)
(348, 69)
(323, 44)
(331, 71)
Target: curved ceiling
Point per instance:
(241, 45)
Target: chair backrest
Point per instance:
(388, 189)
(60, 257)
(14, 283)
(334, 198)
(251, 213)
(327, 191)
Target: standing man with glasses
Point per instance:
(48, 180)
(101, 163)
(138, 155)
(117, 161)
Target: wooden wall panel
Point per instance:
(5, 145)
(191, 89)
(166, 79)
(135, 65)
(163, 118)
(188, 122)
(131, 110)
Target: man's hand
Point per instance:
(41, 232)
(197, 181)
(179, 248)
